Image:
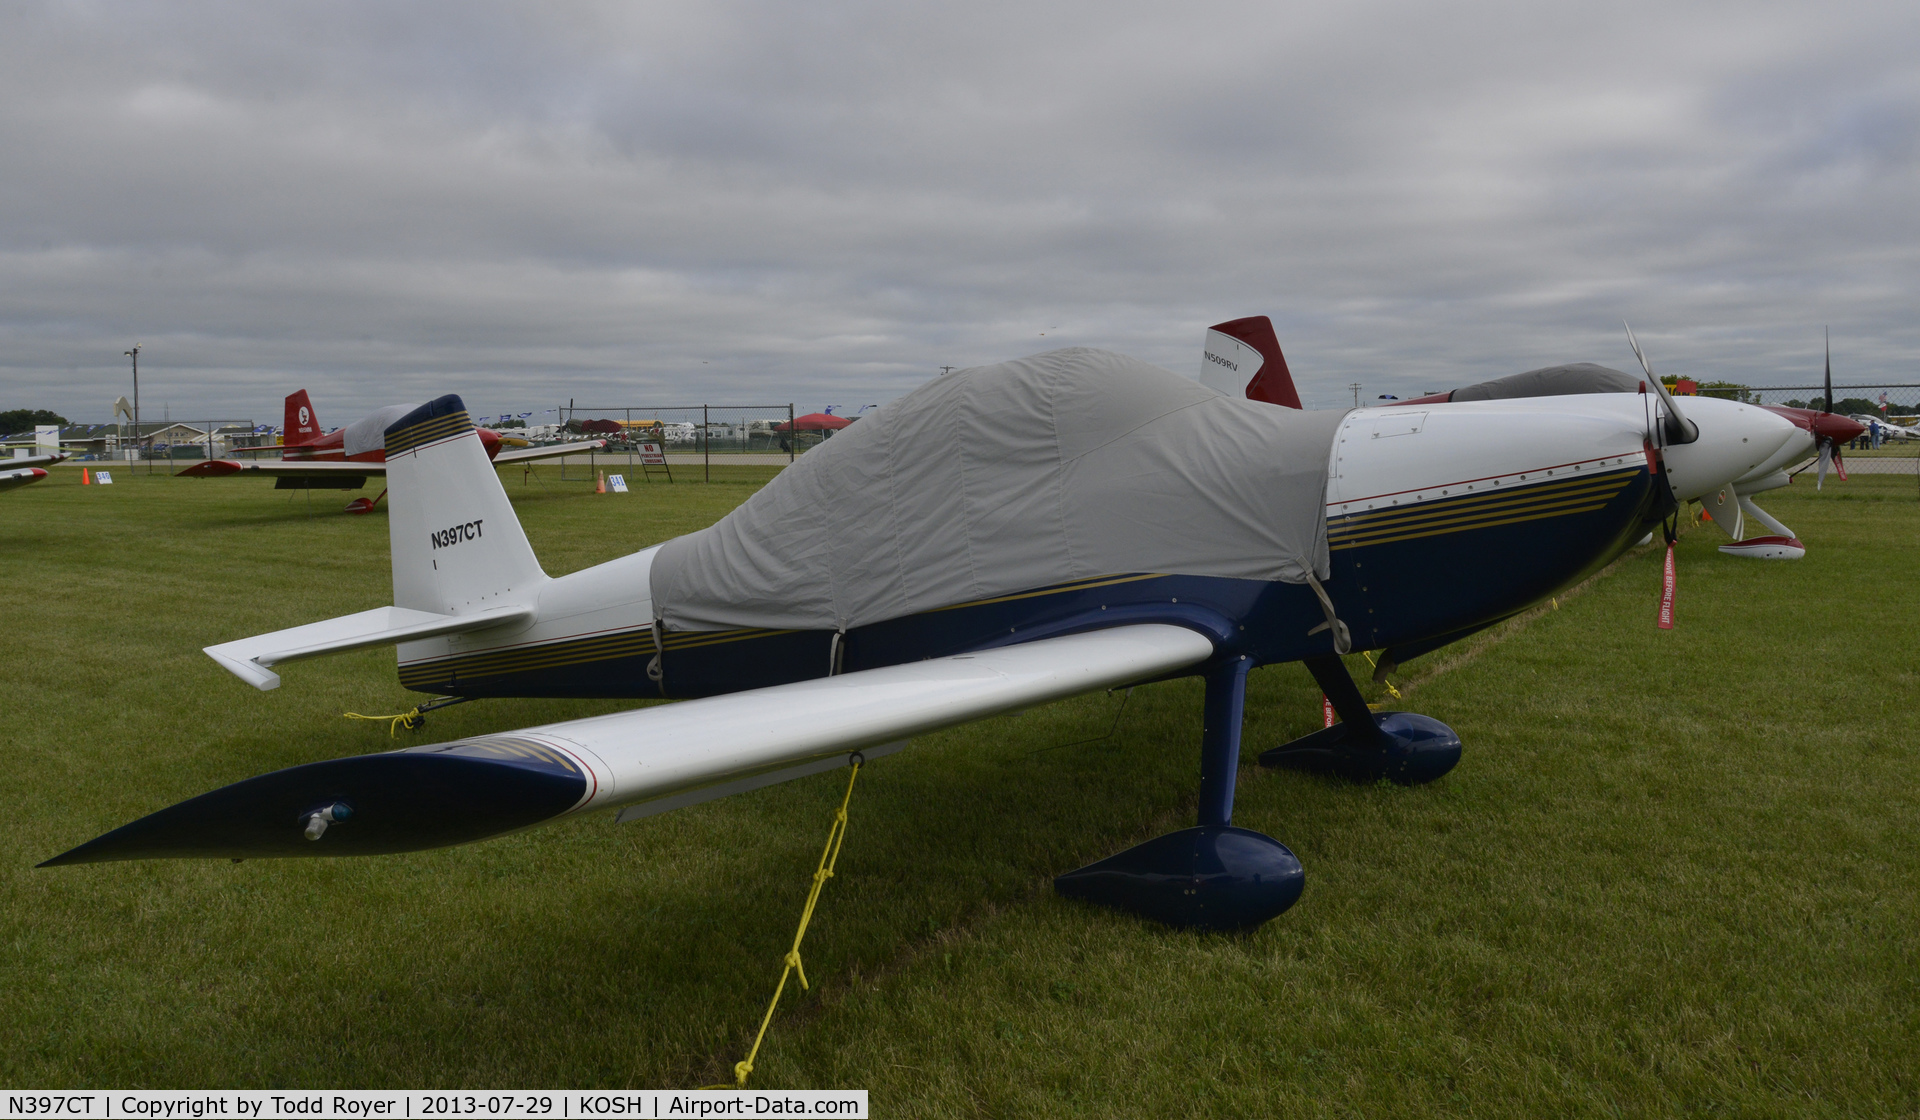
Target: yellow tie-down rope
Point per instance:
(1391, 691)
(829, 856)
(408, 720)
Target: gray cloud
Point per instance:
(812, 203)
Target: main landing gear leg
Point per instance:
(1366, 746)
(1214, 876)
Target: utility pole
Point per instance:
(944, 370)
(135, 355)
(1356, 393)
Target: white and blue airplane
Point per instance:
(1432, 524)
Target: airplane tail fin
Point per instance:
(1242, 356)
(301, 425)
(457, 546)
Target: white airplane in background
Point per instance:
(1888, 429)
(1002, 537)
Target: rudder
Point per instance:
(301, 424)
(1242, 356)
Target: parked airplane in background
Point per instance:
(23, 470)
(312, 458)
(1777, 437)
(1888, 429)
(1040, 528)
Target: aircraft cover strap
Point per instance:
(1342, 639)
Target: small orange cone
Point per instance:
(85, 478)
(600, 487)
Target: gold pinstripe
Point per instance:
(690, 638)
(452, 424)
(603, 647)
(1430, 519)
(1435, 514)
(639, 642)
(1098, 581)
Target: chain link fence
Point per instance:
(689, 437)
(1891, 444)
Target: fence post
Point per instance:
(706, 443)
(793, 437)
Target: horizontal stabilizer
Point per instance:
(249, 658)
(282, 468)
(549, 451)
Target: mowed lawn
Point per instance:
(1675, 872)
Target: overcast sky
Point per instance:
(824, 203)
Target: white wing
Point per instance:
(652, 759)
(654, 752)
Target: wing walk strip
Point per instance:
(452, 424)
(1430, 519)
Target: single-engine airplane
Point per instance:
(312, 458)
(999, 538)
(23, 470)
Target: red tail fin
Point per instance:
(302, 425)
(1244, 354)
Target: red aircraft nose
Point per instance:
(1833, 426)
(490, 440)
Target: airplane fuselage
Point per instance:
(1438, 523)
(332, 448)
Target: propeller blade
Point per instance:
(1826, 403)
(1826, 456)
(1678, 428)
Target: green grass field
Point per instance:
(1675, 872)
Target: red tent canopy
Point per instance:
(814, 422)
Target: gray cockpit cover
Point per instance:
(1553, 381)
(1009, 477)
